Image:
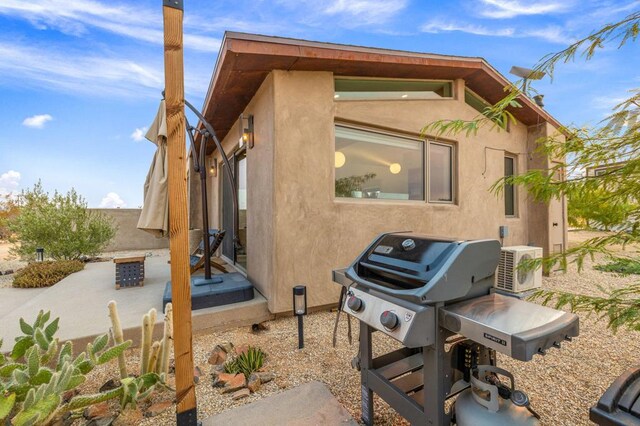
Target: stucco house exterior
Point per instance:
(338, 158)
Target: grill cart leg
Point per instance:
(435, 388)
(365, 364)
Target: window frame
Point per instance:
(419, 80)
(515, 215)
(391, 133)
(454, 172)
(487, 105)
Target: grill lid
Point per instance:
(425, 269)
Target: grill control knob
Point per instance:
(355, 304)
(408, 244)
(389, 320)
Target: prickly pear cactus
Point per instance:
(38, 371)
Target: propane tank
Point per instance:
(482, 404)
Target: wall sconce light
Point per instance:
(300, 310)
(39, 254)
(246, 130)
(213, 168)
(538, 99)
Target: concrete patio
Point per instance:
(80, 300)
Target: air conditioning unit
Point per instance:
(512, 279)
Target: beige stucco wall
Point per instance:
(298, 232)
(128, 236)
(260, 194)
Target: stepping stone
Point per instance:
(320, 408)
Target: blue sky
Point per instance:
(80, 80)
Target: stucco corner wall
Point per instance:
(128, 236)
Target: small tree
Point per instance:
(8, 209)
(611, 199)
(61, 224)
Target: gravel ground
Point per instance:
(561, 385)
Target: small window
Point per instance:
(440, 173)
(600, 172)
(480, 105)
(369, 89)
(509, 189)
(370, 164)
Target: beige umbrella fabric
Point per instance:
(155, 210)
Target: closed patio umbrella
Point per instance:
(154, 217)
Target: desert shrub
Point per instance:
(8, 210)
(623, 266)
(61, 224)
(45, 274)
(246, 363)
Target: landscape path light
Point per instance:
(39, 254)
(300, 310)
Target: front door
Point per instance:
(234, 246)
(557, 218)
(227, 214)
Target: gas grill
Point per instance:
(434, 295)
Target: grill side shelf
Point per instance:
(514, 327)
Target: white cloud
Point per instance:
(37, 121)
(75, 17)
(9, 182)
(551, 34)
(138, 134)
(93, 74)
(341, 13)
(112, 201)
(366, 11)
(500, 9)
(439, 26)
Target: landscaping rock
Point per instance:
(129, 417)
(221, 379)
(99, 410)
(158, 408)
(217, 357)
(65, 420)
(197, 372)
(242, 393)
(253, 384)
(218, 368)
(110, 385)
(101, 421)
(227, 347)
(257, 328)
(69, 394)
(242, 349)
(265, 376)
(8, 272)
(235, 384)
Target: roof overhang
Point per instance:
(245, 60)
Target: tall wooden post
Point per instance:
(178, 222)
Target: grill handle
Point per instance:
(388, 271)
(353, 276)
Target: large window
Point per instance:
(369, 164)
(370, 89)
(509, 190)
(441, 164)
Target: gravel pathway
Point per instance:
(561, 385)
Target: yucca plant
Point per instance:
(247, 362)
